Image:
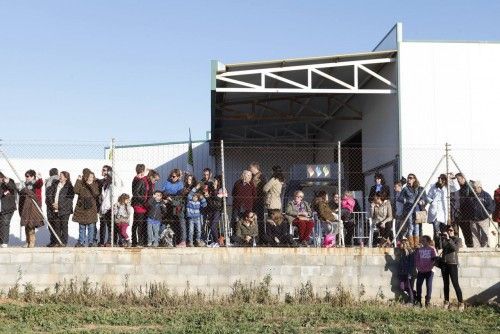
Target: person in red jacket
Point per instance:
(244, 194)
(496, 214)
(34, 183)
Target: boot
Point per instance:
(416, 241)
(410, 241)
(30, 238)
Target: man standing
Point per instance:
(481, 218)
(105, 207)
(259, 206)
(464, 209)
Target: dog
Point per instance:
(167, 237)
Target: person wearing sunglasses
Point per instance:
(247, 230)
(449, 270)
(299, 213)
(408, 196)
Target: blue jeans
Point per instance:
(153, 234)
(86, 234)
(194, 223)
(413, 228)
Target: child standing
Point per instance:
(424, 261)
(156, 211)
(193, 212)
(123, 214)
(405, 270)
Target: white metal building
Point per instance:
(399, 104)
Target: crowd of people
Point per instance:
(185, 212)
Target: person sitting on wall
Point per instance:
(277, 231)
(326, 215)
(381, 213)
(299, 213)
(247, 230)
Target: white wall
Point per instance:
(449, 93)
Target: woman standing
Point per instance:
(243, 197)
(8, 192)
(408, 196)
(300, 213)
(173, 191)
(85, 214)
(59, 202)
(214, 198)
(449, 270)
(438, 208)
(378, 187)
(273, 188)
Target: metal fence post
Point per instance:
(339, 177)
(448, 195)
(112, 191)
(224, 198)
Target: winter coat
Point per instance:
(30, 214)
(466, 200)
(215, 200)
(140, 191)
(123, 213)
(348, 203)
(86, 205)
(244, 195)
(8, 196)
(292, 210)
(438, 208)
(193, 209)
(406, 261)
(373, 191)
(243, 230)
(478, 213)
(496, 214)
(259, 181)
(36, 188)
(408, 197)
(156, 210)
(65, 200)
(273, 189)
(450, 249)
(382, 214)
(325, 213)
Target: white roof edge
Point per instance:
(451, 42)
(345, 55)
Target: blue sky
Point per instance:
(139, 71)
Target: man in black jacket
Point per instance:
(8, 193)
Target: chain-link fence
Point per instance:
(292, 190)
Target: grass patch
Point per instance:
(83, 307)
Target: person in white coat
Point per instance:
(438, 207)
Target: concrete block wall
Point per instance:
(365, 271)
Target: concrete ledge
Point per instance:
(373, 270)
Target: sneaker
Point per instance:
(461, 307)
(215, 245)
(181, 244)
(52, 245)
(446, 305)
(4, 245)
(200, 243)
(190, 244)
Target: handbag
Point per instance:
(420, 217)
(439, 261)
